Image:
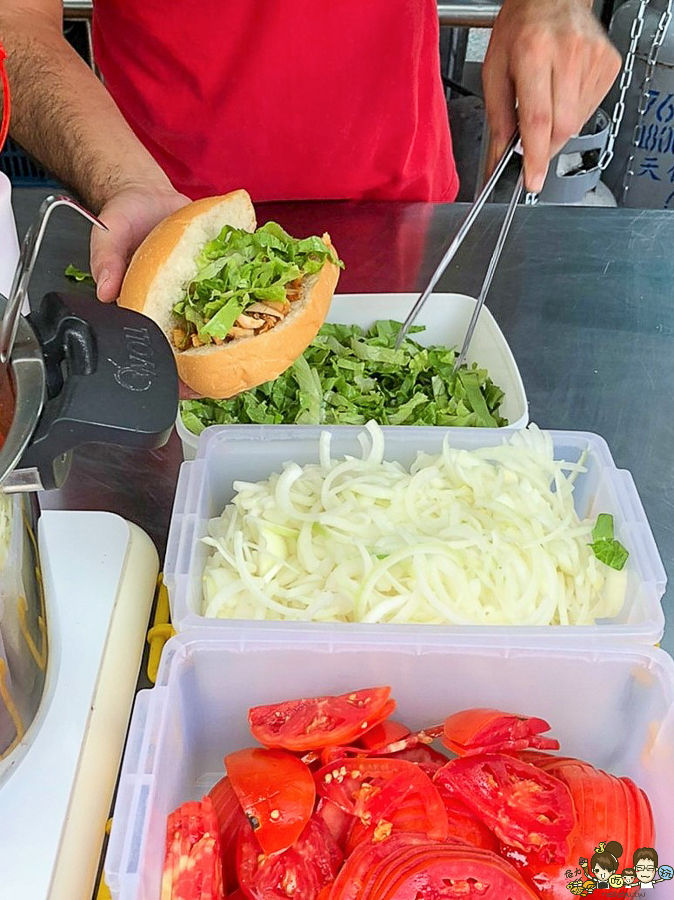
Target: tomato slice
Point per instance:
(464, 826)
(613, 805)
(428, 759)
(408, 866)
(331, 755)
(453, 874)
(299, 873)
(238, 894)
(416, 739)
(277, 793)
(319, 722)
(192, 864)
(402, 748)
(409, 814)
(364, 861)
(385, 795)
(231, 819)
(525, 807)
(474, 731)
(604, 804)
(384, 733)
(338, 822)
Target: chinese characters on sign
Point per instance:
(656, 141)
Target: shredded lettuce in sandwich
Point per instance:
(239, 270)
(350, 377)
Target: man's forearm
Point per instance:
(65, 118)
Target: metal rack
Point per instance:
(468, 14)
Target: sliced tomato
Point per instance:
(192, 864)
(385, 795)
(408, 814)
(428, 759)
(365, 859)
(613, 805)
(299, 873)
(319, 722)
(464, 826)
(604, 804)
(231, 819)
(384, 733)
(453, 874)
(408, 867)
(412, 746)
(416, 739)
(238, 894)
(332, 754)
(548, 761)
(338, 822)
(525, 807)
(277, 793)
(490, 730)
(532, 756)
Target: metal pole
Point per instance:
(476, 14)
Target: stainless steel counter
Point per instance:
(584, 296)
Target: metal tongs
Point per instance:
(24, 270)
(468, 223)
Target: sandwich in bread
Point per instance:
(238, 305)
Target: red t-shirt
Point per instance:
(291, 99)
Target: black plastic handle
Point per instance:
(111, 378)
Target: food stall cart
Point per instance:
(594, 348)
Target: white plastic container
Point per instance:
(611, 706)
(252, 453)
(446, 318)
(9, 242)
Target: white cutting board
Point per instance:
(99, 573)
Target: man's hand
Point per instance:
(130, 215)
(552, 60)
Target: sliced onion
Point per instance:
(488, 536)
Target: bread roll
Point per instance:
(166, 262)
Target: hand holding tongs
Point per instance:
(459, 239)
(24, 269)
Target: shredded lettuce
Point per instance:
(604, 546)
(349, 377)
(75, 274)
(241, 267)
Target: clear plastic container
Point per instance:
(611, 706)
(252, 453)
(445, 317)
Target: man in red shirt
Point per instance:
(292, 99)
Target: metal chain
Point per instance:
(625, 82)
(654, 52)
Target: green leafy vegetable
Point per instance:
(348, 377)
(604, 546)
(239, 268)
(76, 274)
